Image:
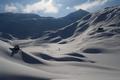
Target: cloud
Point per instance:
(68, 8)
(90, 4)
(46, 6)
(10, 8)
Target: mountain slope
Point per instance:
(100, 24)
(32, 25)
(89, 49)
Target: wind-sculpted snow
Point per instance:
(30, 58)
(73, 57)
(108, 19)
(87, 49)
(37, 63)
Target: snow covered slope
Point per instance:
(88, 50)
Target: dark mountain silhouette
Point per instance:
(32, 25)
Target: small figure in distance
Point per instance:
(15, 50)
(58, 49)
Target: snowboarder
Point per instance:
(15, 50)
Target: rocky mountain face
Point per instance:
(105, 23)
(32, 25)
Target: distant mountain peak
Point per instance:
(103, 23)
(77, 13)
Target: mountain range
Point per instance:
(31, 25)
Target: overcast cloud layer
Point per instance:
(51, 7)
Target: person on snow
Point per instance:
(15, 50)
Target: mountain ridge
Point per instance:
(107, 19)
(32, 25)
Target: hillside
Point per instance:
(32, 25)
(107, 20)
(87, 49)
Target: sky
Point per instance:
(54, 8)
